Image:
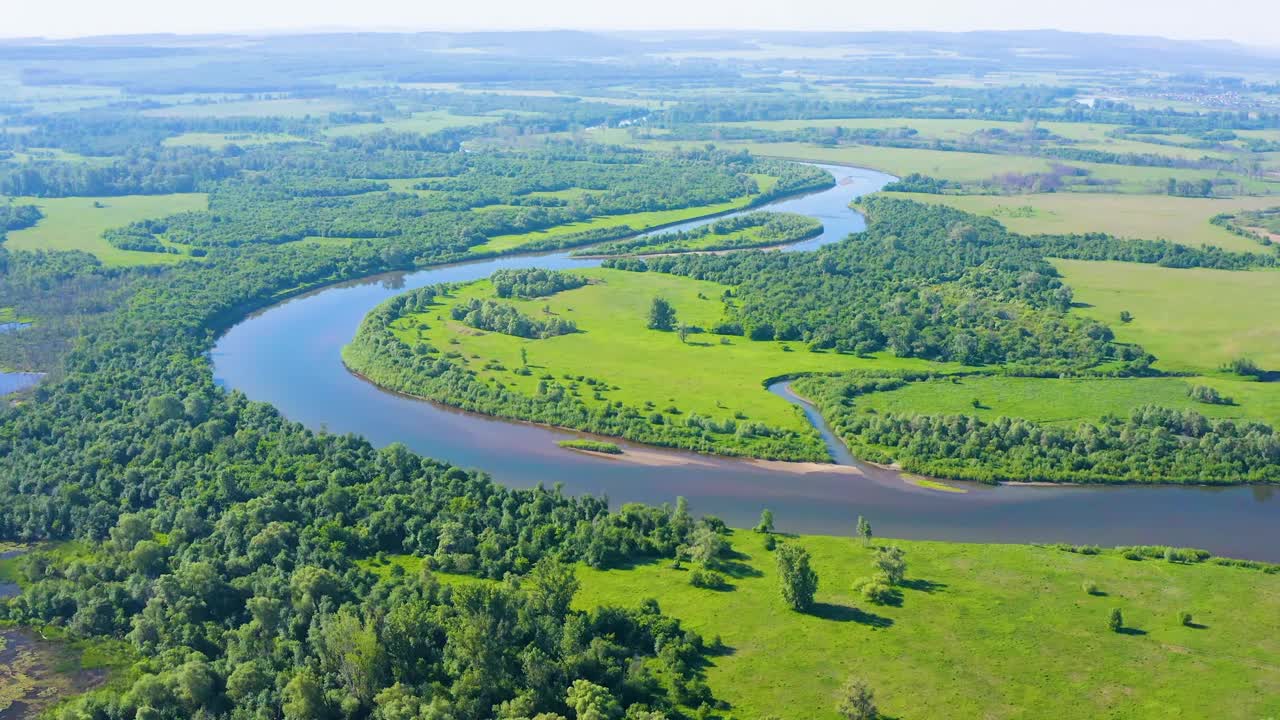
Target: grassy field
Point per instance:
(218, 141)
(638, 221)
(422, 122)
(75, 224)
(982, 631)
(1192, 320)
(1069, 401)
(615, 346)
(1180, 220)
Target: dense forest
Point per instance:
(469, 197)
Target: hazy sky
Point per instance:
(1249, 21)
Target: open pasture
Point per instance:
(1192, 320)
(77, 223)
(1148, 217)
(979, 631)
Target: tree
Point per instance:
(1126, 316)
(706, 546)
(857, 701)
(893, 563)
(592, 702)
(799, 581)
(682, 331)
(864, 530)
(766, 521)
(1116, 620)
(661, 315)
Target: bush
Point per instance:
(1116, 620)
(1090, 587)
(875, 589)
(1184, 619)
(708, 580)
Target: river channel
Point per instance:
(289, 355)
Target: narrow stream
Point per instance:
(290, 356)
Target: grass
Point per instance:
(1053, 401)
(1180, 220)
(982, 631)
(423, 123)
(715, 377)
(595, 446)
(75, 224)
(638, 221)
(1191, 320)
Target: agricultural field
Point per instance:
(1192, 320)
(981, 631)
(77, 223)
(718, 377)
(1149, 217)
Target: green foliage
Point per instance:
(503, 318)
(857, 701)
(607, 448)
(757, 229)
(797, 580)
(661, 315)
(1115, 621)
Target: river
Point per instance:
(290, 356)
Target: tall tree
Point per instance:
(798, 581)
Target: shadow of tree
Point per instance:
(1131, 631)
(921, 585)
(842, 613)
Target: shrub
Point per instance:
(1116, 620)
(1090, 587)
(875, 589)
(1184, 619)
(707, 579)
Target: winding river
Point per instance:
(289, 355)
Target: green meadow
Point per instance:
(1192, 320)
(716, 376)
(1177, 219)
(982, 631)
(74, 223)
(1065, 401)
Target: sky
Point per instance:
(1255, 22)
